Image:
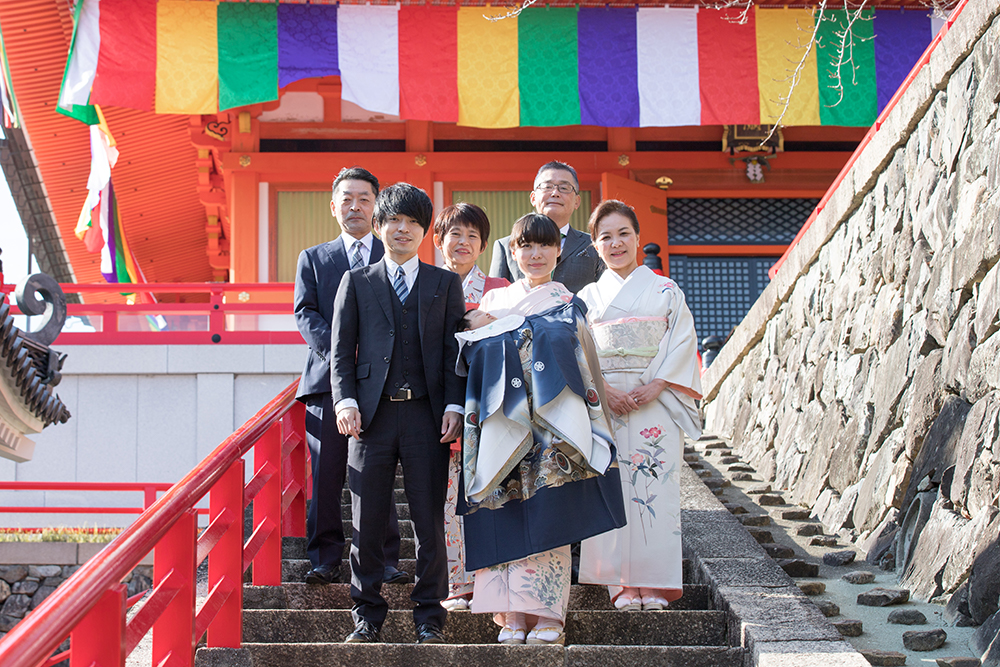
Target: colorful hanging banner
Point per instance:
(428, 63)
(488, 93)
(542, 67)
(307, 42)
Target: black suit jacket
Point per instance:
(578, 265)
(363, 337)
(317, 278)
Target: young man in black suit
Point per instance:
(398, 398)
(317, 278)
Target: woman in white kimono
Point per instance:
(528, 594)
(648, 348)
(461, 232)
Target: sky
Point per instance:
(13, 240)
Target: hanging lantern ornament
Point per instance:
(754, 166)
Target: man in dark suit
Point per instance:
(398, 397)
(556, 194)
(317, 277)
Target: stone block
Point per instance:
(16, 606)
(761, 535)
(883, 597)
(827, 608)
(859, 577)
(986, 635)
(191, 359)
(742, 477)
(743, 572)
(778, 551)
(880, 658)
(835, 653)
(285, 358)
(222, 657)
(770, 500)
(755, 519)
(719, 540)
(809, 529)
(849, 627)
(26, 587)
(795, 515)
(114, 359)
(42, 571)
(958, 661)
(823, 541)
(839, 558)
(811, 587)
(106, 429)
(13, 573)
(924, 640)
(796, 567)
(906, 617)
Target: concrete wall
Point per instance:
(865, 380)
(143, 413)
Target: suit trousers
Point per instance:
(324, 521)
(406, 432)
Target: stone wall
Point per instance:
(865, 381)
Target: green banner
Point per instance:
(857, 106)
(547, 66)
(248, 53)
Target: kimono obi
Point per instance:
(629, 343)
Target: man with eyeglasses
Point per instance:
(556, 194)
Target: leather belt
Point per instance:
(401, 395)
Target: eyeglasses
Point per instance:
(563, 188)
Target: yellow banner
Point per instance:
(187, 57)
(783, 35)
(487, 69)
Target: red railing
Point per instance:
(234, 313)
(148, 490)
(924, 59)
(91, 605)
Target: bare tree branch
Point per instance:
(845, 50)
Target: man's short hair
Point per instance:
(355, 174)
(466, 214)
(555, 164)
(404, 199)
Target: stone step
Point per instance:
(654, 628)
(338, 596)
(294, 548)
(294, 569)
(496, 655)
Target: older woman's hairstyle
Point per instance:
(534, 228)
(465, 214)
(606, 208)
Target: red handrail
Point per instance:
(93, 596)
(924, 59)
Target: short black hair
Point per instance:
(466, 214)
(404, 199)
(555, 164)
(355, 174)
(534, 228)
(465, 324)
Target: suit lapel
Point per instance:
(427, 284)
(575, 242)
(378, 250)
(336, 253)
(378, 278)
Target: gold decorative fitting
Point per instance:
(244, 118)
(217, 131)
(243, 297)
(420, 160)
(244, 160)
(664, 182)
(623, 160)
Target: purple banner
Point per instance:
(900, 39)
(608, 66)
(307, 42)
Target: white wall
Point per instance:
(143, 413)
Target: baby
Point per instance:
(474, 319)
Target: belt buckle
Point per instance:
(402, 395)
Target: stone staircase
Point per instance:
(299, 624)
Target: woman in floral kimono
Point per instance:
(461, 232)
(648, 348)
(537, 441)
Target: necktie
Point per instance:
(400, 285)
(357, 261)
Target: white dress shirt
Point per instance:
(563, 231)
(366, 247)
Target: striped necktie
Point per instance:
(357, 261)
(400, 285)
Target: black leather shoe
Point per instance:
(364, 633)
(324, 575)
(428, 633)
(394, 576)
